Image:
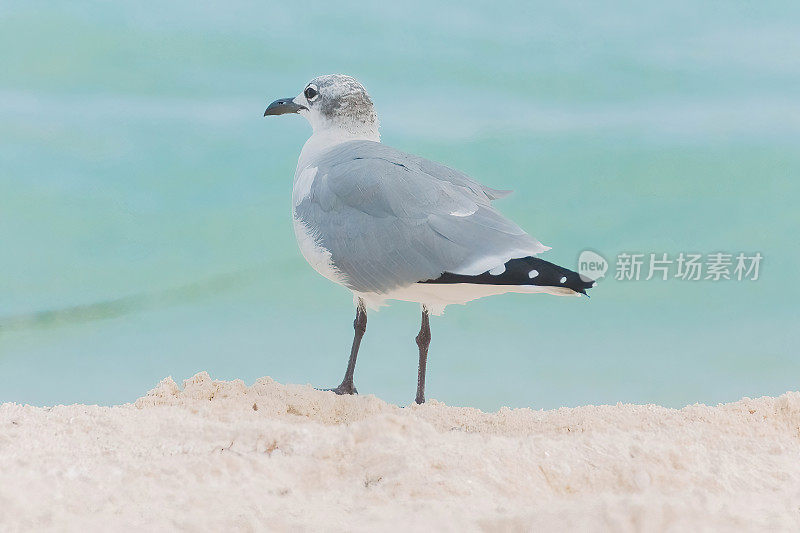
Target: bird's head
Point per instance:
(333, 103)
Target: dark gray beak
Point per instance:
(283, 106)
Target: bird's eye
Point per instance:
(311, 92)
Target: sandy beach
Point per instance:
(214, 456)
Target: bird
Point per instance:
(389, 225)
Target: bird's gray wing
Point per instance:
(390, 219)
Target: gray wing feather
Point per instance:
(390, 219)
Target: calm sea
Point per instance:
(145, 202)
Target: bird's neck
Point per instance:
(325, 138)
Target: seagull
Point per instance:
(394, 226)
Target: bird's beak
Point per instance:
(283, 106)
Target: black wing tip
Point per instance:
(524, 271)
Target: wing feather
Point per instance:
(390, 219)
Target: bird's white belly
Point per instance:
(437, 296)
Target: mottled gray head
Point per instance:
(332, 103)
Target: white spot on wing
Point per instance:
(464, 212)
(496, 271)
(533, 273)
(302, 185)
(562, 280)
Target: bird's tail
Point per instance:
(524, 271)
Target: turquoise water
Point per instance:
(144, 201)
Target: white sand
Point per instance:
(220, 456)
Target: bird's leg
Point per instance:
(360, 326)
(423, 341)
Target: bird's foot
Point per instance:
(344, 389)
